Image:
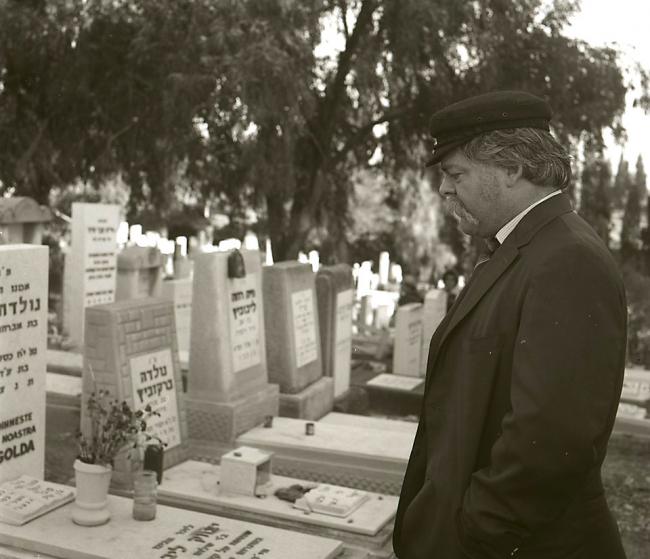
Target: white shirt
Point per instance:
(503, 233)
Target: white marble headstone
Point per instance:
(23, 344)
(93, 262)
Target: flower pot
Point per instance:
(91, 502)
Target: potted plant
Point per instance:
(112, 428)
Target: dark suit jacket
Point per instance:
(523, 382)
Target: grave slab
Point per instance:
(130, 351)
(194, 482)
(23, 342)
(395, 382)
(335, 290)
(175, 533)
(371, 422)
(368, 459)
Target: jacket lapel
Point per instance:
(490, 272)
(502, 258)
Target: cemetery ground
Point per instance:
(625, 473)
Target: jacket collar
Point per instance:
(539, 216)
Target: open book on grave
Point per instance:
(332, 500)
(26, 498)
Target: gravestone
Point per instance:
(130, 350)
(434, 310)
(179, 291)
(335, 290)
(139, 273)
(22, 220)
(293, 349)
(23, 343)
(228, 388)
(384, 268)
(408, 340)
(90, 265)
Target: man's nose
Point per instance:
(446, 187)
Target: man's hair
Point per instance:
(543, 160)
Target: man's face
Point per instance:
(473, 193)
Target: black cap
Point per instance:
(458, 123)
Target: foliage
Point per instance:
(235, 103)
(113, 426)
(596, 193)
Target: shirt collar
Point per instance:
(509, 227)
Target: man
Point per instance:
(525, 371)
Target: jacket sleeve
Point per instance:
(567, 365)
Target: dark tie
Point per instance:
(491, 245)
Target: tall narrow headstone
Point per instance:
(228, 390)
(335, 290)
(179, 291)
(23, 344)
(293, 349)
(408, 340)
(139, 273)
(433, 311)
(90, 278)
(130, 350)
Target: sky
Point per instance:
(624, 24)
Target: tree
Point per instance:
(595, 193)
(631, 237)
(236, 97)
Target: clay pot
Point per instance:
(91, 502)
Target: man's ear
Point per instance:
(513, 174)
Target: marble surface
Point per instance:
(396, 382)
(369, 422)
(197, 482)
(331, 440)
(174, 533)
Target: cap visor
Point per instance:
(441, 151)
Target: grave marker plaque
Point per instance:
(23, 343)
(408, 340)
(92, 260)
(131, 351)
(335, 289)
